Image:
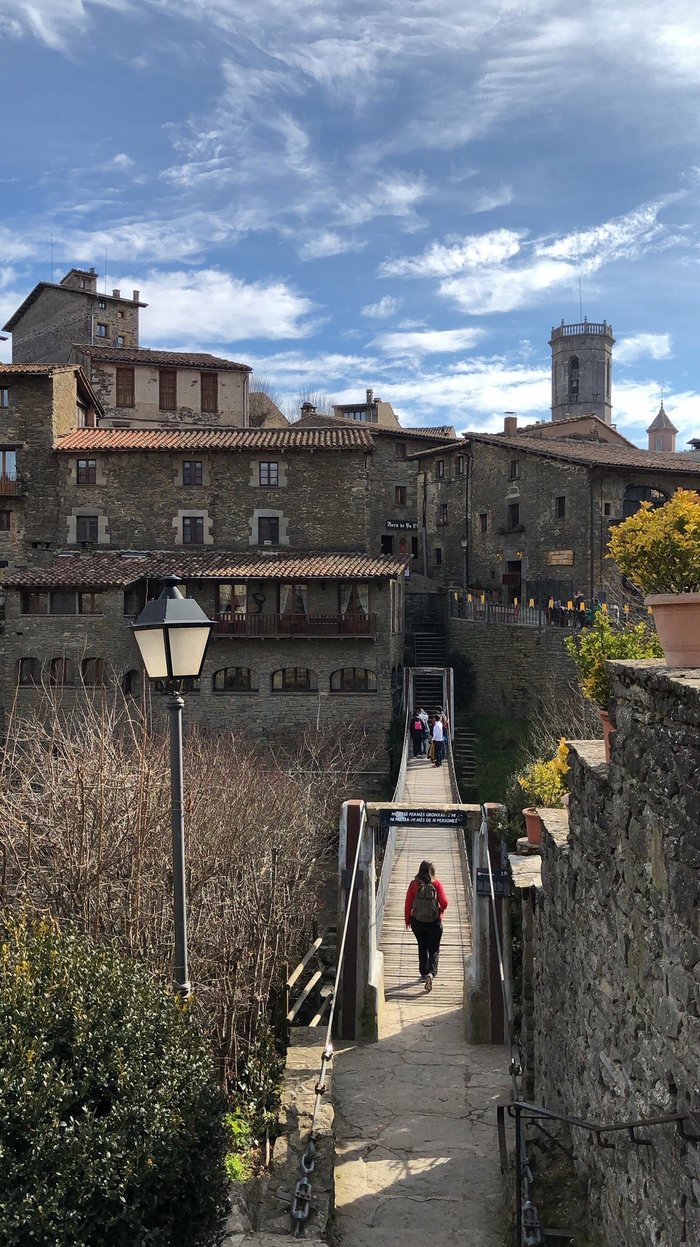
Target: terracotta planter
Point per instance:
(533, 823)
(677, 619)
(608, 731)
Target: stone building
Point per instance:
(522, 515)
(55, 315)
(582, 370)
(166, 388)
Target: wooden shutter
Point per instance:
(125, 387)
(210, 391)
(167, 389)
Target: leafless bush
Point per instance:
(85, 810)
(562, 711)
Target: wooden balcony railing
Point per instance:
(10, 487)
(228, 625)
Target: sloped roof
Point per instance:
(121, 440)
(570, 427)
(168, 359)
(593, 454)
(119, 569)
(661, 421)
(319, 420)
(50, 370)
(56, 285)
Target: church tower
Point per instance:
(662, 432)
(581, 370)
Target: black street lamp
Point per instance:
(172, 634)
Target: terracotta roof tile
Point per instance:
(46, 369)
(120, 569)
(214, 439)
(595, 454)
(319, 420)
(172, 359)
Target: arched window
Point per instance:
(29, 671)
(234, 680)
(635, 495)
(573, 379)
(92, 672)
(353, 680)
(61, 672)
(294, 680)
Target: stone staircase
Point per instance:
(427, 691)
(463, 754)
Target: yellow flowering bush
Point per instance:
(544, 782)
(659, 548)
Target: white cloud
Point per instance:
(327, 243)
(210, 306)
(472, 251)
(52, 21)
(429, 341)
(636, 346)
(382, 310)
(394, 195)
(487, 201)
(120, 161)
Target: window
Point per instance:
(29, 671)
(459, 469)
(100, 330)
(8, 465)
(442, 513)
(87, 472)
(231, 598)
(131, 683)
(4, 396)
(234, 680)
(62, 602)
(560, 508)
(102, 304)
(573, 379)
(89, 603)
(268, 530)
(125, 387)
(636, 494)
(293, 680)
(120, 339)
(513, 514)
(61, 672)
(209, 382)
(386, 543)
(658, 443)
(514, 470)
(92, 672)
(192, 530)
(400, 495)
(293, 599)
(87, 528)
(120, 313)
(192, 472)
(167, 389)
(269, 474)
(438, 556)
(5, 521)
(354, 599)
(34, 602)
(353, 680)
(607, 508)
(400, 450)
(414, 547)
(440, 469)
(483, 521)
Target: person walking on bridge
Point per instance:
(438, 741)
(425, 904)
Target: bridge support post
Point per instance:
(484, 1017)
(362, 980)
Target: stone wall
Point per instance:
(513, 663)
(617, 957)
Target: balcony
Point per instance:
(10, 487)
(276, 626)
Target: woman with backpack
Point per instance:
(417, 734)
(425, 904)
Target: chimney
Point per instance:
(116, 294)
(137, 295)
(370, 396)
(510, 423)
(308, 409)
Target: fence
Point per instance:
(551, 613)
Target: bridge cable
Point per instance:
(302, 1199)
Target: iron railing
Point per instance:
(534, 614)
(227, 624)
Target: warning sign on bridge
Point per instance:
(423, 818)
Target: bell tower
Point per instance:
(582, 370)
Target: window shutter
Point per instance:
(167, 389)
(210, 391)
(125, 387)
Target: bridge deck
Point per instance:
(417, 1152)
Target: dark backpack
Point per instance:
(425, 906)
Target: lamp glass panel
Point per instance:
(187, 646)
(151, 643)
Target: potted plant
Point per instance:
(544, 784)
(659, 550)
(591, 650)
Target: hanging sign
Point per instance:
(403, 525)
(501, 882)
(423, 818)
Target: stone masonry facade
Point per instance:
(617, 957)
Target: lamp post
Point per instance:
(172, 634)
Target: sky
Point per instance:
(405, 195)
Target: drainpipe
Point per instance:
(591, 487)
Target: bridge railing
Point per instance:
(389, 843)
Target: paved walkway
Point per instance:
(417, 1153)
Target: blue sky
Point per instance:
(401, 194)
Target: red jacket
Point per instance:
(411, 896)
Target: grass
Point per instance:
(498, 748)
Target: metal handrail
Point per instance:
(390, 845)
(529, 1232)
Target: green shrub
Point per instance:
(111, 1126)
(602, 641)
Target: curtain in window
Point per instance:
(345, 598)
